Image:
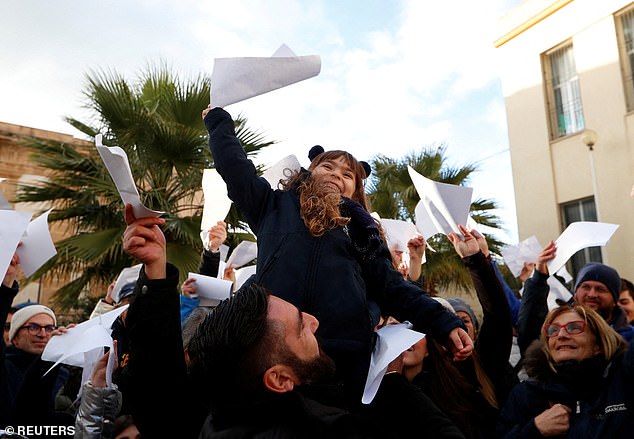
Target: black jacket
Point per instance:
(321, 276)
(27, 397)
(601, 397)
(398, 410)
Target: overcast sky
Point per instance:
(397, 75)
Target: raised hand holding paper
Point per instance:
(236, 79)
(441, 207)
(525, 251)
(578, 235)
(391, 341)
(211, 287)
(116, 161)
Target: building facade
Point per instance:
(566, 68)
(17, 167)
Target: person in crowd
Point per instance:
(209, 264)
(469, 392)
(626, 299)
(105, 304)
(319, 248)
(27, 396)
(580, 382)
(7, 325)
(100, 404)
(597, 286)
(164, 400)
(274, 373)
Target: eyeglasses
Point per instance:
(35, 329)
(573, 328)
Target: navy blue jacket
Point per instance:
(321, 276)
(534, 308)
(601, 399)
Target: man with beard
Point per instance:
(597, 286)
(255, 364)
(319, 249)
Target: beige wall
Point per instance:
(16, 166)
(548, 173)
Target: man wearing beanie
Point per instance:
(27, 396)
(597, 286)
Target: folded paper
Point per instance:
(244, 253)
(525, 252)
(577, 236)
(243, 274)
(236, 79)
(281, 170)
(391, 342)
(69, 348)
(13, 224)
(208, 287)
(217, 202)
(116, 161)
(441, 207)
(37, 245)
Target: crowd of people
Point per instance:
(287, 356)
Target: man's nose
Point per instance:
(312, 322)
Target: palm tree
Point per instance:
(392, 195)
(156, 120)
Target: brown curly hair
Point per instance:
(319, 207)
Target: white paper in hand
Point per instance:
(557, 292)
(13, 224)
(208, 287)
(127, 275)
(281, 170)
(69, 348)
(37, 245)
(236, 79)
(116, 161)
(441, 207)
(579, 235)
(244, 253)
(392, 340)
(244, 273)
(516, 255)
(217, 202)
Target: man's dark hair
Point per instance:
(235, 345)
(627, 285)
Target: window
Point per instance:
(562, 88)
(625, 35)
(580, 210)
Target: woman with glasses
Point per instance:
(581, 381)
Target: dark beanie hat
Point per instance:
(608, 276)
(461, 305)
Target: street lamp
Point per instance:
(589, 138)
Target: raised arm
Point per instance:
(246, 189)
(534, 300)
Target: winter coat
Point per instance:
(98, 409)
(600, 395)
(398, 410)
(162, 399)
(535, 307)
(27, 397)
(320, 275)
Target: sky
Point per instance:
(396, 75)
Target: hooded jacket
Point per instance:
(599, 393)
(321, 276)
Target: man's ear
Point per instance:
(280, 378)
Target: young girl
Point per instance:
(319, 249)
